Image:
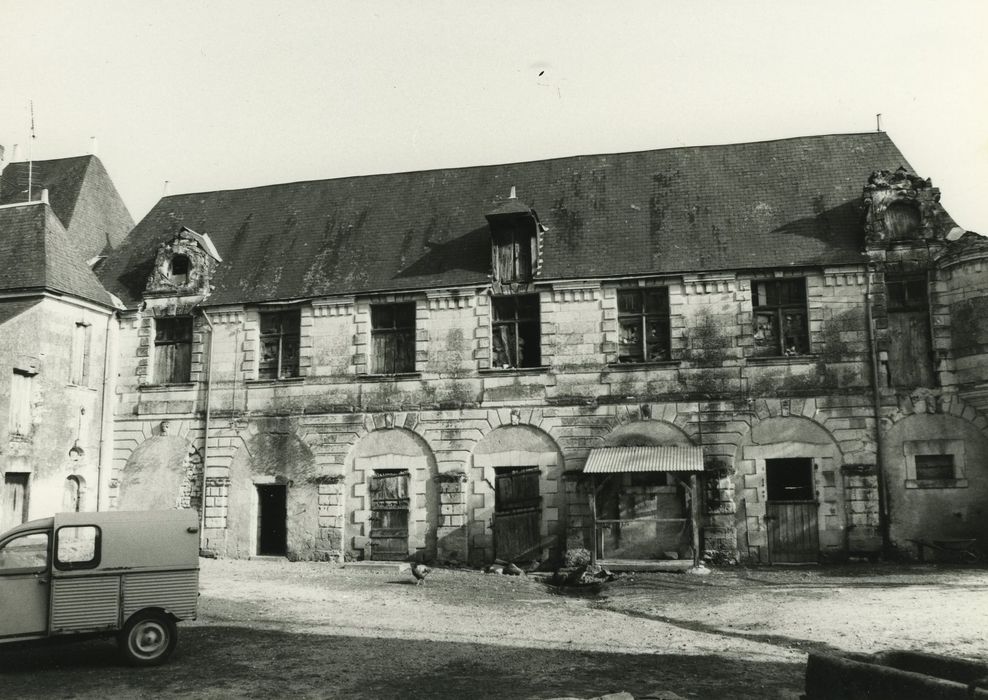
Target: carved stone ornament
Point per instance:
(183, 266)
(515, 416)
(900, 206)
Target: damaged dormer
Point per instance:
(183, 266)
(516, 244)
(902, 209)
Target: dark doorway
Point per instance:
(517, 514)
(791, 511)
(13, 505)
(272, 514)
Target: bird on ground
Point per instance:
(420, 571)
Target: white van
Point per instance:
(132, 575)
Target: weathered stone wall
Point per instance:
(39, 343)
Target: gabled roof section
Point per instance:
(82, 195)
(39, 256)
(776, 204)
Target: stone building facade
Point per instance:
(418, 366)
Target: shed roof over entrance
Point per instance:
(654, 458)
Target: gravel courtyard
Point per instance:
(272, 629)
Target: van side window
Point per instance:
(25, 552)
(77, 547)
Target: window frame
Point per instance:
(172, 340)
(909, 301)
(532, 323)
(82, 340)
(401, 330)
(777, 313)
(642, 318)
(956, 449)
(90, 563)
(14, 570)
(21, 417)
(516, 237)
(283, 337)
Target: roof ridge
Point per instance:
(522, 162)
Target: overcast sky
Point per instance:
(220, 95)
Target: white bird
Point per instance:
(420, 571)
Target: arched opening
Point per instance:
(155, 476)
(72, 494)
(516, 472)
(178, 269)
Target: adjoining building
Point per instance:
(771, 351)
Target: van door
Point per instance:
(25, 584)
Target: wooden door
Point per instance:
(791, 511)
(517, 515)
(13, 506)
(272, 520)
(910, 353)
(389, 516)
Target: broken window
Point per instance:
(514, 243)
(279, 344)
(934, 467)
(910, 346)
(516, 340)
(81, 342)
(780, 327)
(393, 338)
(173, 350)
(643, 324)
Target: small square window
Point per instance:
(77, 547)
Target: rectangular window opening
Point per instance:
(393, 338)
(173, 350)
(280, 331)
(81, 342)
(780, 327)
(643, 320)
(935, 467)
(517, 334)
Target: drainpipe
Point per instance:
(103, 457)
(883, 509)
(205, 431)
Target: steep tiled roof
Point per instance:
(81, 195)
(793, 202)
(38, 255)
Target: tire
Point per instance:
(148, 638)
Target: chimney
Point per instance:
(44, 195)
(93, 146)
(164, 189)
(513, 194)
(13, 154)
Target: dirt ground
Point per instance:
(273, 629)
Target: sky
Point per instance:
(228, 94)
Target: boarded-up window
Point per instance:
(20, 403)
(393, 337)
(178, 270)
(517, 339)
(82, 338)
(779, 312)
(643, 320)
(173, 350)
(514, 242)
(279, 344)
(910, 347)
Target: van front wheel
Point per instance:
(148, 639)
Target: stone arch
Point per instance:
(930, 508)
(741, 503)
(74, 494)
(390, 448)
(514, 445)
(272, 453)
(156, 475)
(647, 432)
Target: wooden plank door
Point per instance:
(389, 516)
(13, 506)
(517, 514)
(791, 511)
(910, 352)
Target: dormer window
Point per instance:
(514, 241)
(902, 220)
(179, 270)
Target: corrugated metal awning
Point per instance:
(665, 458)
